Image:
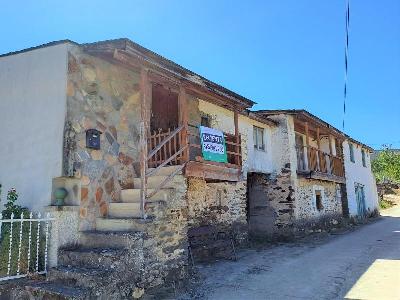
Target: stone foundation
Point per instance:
(222, 204)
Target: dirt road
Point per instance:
(363, 264)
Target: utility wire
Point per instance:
(346, 54)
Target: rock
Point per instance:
(334, 222)
(109, 186)
(84, 194)
(97, 154)
(85, 180)
(89, 74)
(137, 293)
(99, 194)
(70, 89)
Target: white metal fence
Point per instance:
(24, 245)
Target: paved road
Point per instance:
(363, 264)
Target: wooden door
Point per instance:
(360, 198)
(164, 109)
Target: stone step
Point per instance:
(114, 240)
(165, 171)
(119, 224)
(154, 182)
(52, 290)
(133, 195)
(90, 258)
(124, 210)
(76, 276)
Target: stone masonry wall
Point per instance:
(165, 244)
(222, 204)
(106, 97)
(306, 204)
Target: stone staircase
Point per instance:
(110, 262)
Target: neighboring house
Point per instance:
(308, 184)
(361, 188)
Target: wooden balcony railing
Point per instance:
(233, 148)
(313, 159)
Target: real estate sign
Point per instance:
(213, 144)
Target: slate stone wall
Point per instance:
(222, 204)
(105, 97)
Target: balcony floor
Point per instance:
(321, 176)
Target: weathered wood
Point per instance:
(166, 161)
(143, 138)
(236, 121)
(307, 145)
(183, 120)
(211, 171)
(164, 141)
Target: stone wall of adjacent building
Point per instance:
(306, 203)
(274, 192)
(222, 204)
(105, 97)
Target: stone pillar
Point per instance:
(64, 230)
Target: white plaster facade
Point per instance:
(356, 173)
(253, 160)
(32, 115)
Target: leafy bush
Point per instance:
(5, 239)
(386, 166)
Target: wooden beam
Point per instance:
(236, 121)
(330, 145)
(183, 120)
(307, 145)
(211, 171)
(144, 91)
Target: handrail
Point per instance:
(164, 141)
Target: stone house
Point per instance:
(118, 127)
(309, 186)
(362, 195)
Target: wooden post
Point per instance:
(236, 121)
(331, 159)
(144, 90)
(183, 120)
(307, 145)
(319, 150)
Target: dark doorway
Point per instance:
(261, 216)
(164, 109)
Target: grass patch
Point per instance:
(5, 247)
(384, 203)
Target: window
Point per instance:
(351, 147)
(318, 199)
(363, 157)
(258, 136)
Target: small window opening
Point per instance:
(351, 147)
(363, 158)
(205, 121)
(318, 199)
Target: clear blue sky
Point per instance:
(281, 53)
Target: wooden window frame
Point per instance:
(259, 146)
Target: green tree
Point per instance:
(386, 166)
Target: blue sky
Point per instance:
(281, 54)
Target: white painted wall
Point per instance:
(32, 115)
(253, 160)
(357, 173)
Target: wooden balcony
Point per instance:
(181, 146)
(316, 164)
